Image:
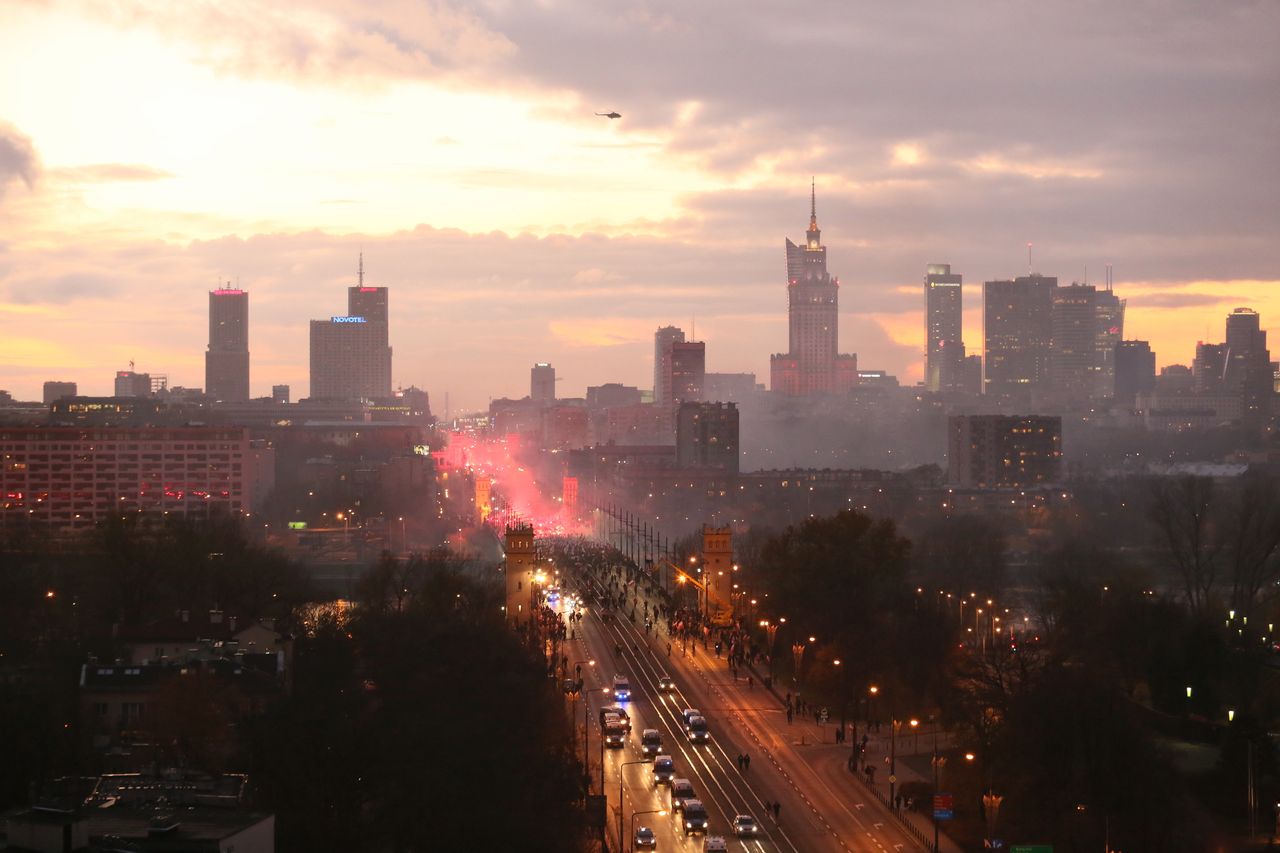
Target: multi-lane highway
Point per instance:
(818, 810)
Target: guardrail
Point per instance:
(903, 821)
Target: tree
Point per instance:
(962, 554)
(1252, 532)
(1187, 514)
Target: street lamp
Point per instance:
(622, 807)
(634, 815)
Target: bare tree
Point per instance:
(1253, 534)
(1187, 514)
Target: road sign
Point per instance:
(824, 715)
(892, 778)
(1031, 848)
(944, 806)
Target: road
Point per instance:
(821, 809)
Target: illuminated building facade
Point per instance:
(1004, 451)
(351, 355)
(72, 478)
(520, 569)
(1108, 335)
(131, 384)
(1017, 330)
(226, 362)
(812, 364)
(1073, 346)
(943, 329)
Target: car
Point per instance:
(621, 688)
(688, 714)
(617, 711)
(664, 768)
(714, 844)
(645, 838)
(697, 730)
(693, 817)
(651, 741)
(666, 684)
(745, 826)
(681, 792)
(615, 736)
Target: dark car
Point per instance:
(693, 817)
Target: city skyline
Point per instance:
(276, 162)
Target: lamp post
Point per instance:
(621, 803)
(634, 815)
(938, 763)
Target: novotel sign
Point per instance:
(347, 320)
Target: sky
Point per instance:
(150, 150)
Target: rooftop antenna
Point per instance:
(1109, 279)
(693, 328)
(360, 273)
(1086, 274)
(1028, 258)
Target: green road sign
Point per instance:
(1031, 848)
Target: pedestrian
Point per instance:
(777, 812)
(746, 761)
(668, 650)
(789, 713)
(739, 760)
(751, 683)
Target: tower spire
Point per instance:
(813, 204)
(360, 273)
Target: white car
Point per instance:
(714, 844)
(745, 826)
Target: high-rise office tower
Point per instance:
(54, 391)
(1073, 341)
(812, 364)
(226, 362)
(1017, 329)
(943, 332)
(1248, 363)
(688, 371)
(542, 383)
(1135, 371)
(1107, 337)
(351, 354)
(131, 384)
(1209, 369)
(662, 341)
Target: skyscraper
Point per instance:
(943, 333)
(1135, 371)
(662, 341)
(351, 354)
(1248, 363)
(1073, 341)
(1108, 335)
(1016, 331)
(812, 364)
(226, 362)
(542, 383)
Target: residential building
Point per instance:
(1004, 451)
(688, 371)
(74, 478)
(707, 436)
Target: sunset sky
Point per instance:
(151, 149)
